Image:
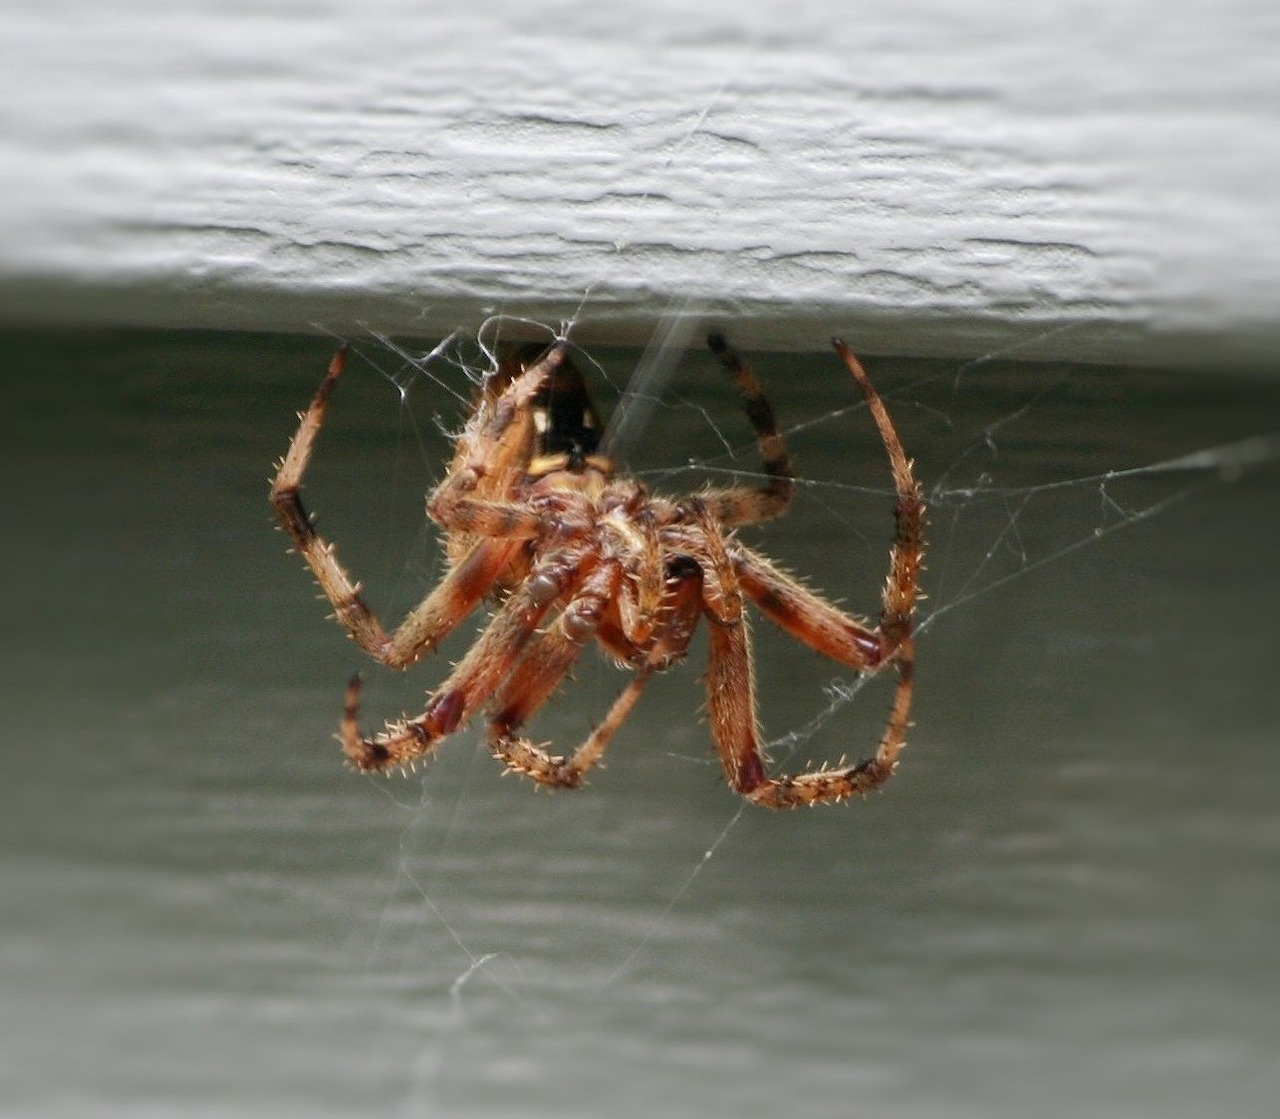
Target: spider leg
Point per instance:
(546, 663)
(435, 617)
(539, 673)
(473, 680)
(507, 459)
(488, 463)
(521, 755)
(731, 704)
(906, 558)
(746, 504)
(805, 615)
(828, 630)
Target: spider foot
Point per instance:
(401, 744)
(519, 755)
(399, 747)
(824, 785)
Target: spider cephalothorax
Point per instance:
(572, 553)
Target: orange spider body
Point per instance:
(536, 518)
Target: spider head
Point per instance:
(566, 427)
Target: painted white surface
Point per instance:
(1082, 179)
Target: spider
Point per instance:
(571, 552)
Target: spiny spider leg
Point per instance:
(476, 676)
(539, 672)
(906, 558)
(804, 615)
(730, 701)
(747, 504)
(823, 627)
(553, 654)
(453, 505)
(731, 706)
(428, 623)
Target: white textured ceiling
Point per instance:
(1087, 179)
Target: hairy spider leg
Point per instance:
(458, 593)
(743, 505)
(537, 675)
(551, 656)
(906, 558)
(823, 627)
(475, 678)
(731, 699)
(804, 615)
(454, 505)
(731, 702)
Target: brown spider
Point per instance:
(536, 518)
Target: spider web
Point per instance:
(1007, 498)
